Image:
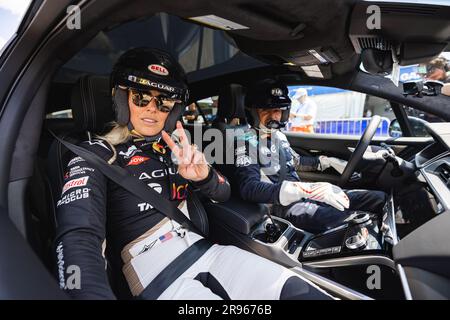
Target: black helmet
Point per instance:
(148, 69)
(268, 94)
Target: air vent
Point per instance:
(367, 42)
(411, 9)
(374, 43)
(443, 171)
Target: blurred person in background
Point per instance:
(303, 112)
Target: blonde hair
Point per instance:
(117, 135)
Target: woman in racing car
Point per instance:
(149, 94)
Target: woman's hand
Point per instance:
(192, 163)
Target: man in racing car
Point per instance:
(143, 246)
(266, 168)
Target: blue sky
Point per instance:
(11, 13)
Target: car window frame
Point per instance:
(348, 90)
(28, 15)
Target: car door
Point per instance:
(22, 274)
(340, 119)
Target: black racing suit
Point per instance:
(93, 209)
(257, 179)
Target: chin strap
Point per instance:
(155, 138)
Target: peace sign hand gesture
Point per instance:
(192, 163)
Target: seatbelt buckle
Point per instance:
(183, 232)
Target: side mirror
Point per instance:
(418, 127)
(394, 129)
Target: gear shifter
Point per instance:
(272, 230)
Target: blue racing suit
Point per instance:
(256, 178)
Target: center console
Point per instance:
(248, 226)
(360, 235)
(336, 259)
(363, 233)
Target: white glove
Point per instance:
(292, 191)
(336, 163)
(371, 155)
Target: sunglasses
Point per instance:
(142, 99)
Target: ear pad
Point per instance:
(253, 116)
(173, 117)
(285, 117)
(120, 105)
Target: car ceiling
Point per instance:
(283, 30)
(270, 35)
(280, 30)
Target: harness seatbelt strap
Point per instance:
(130, 183)
(278, 209)
(175, 269)
(283, 164)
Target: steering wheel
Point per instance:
(357, 154)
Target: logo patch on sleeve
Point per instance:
(75, 183)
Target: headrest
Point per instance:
(91, 103)
(231, 103)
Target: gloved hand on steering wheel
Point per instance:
(371, 154)
(335, 163)
(293, 191)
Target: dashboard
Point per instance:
(433, 164)
(423, 256)
(437, 174)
